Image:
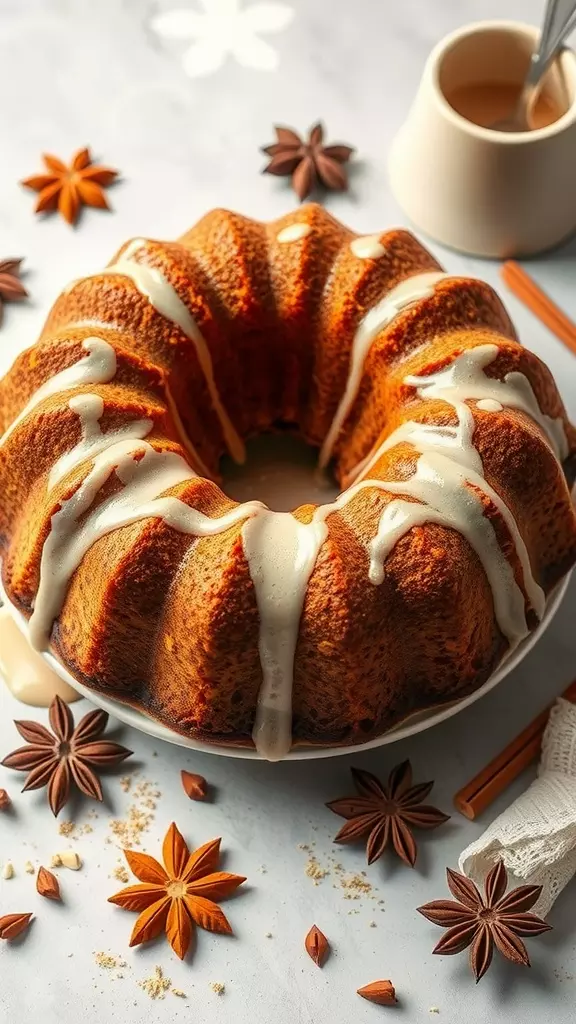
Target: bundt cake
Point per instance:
(235, 624)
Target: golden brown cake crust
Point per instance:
(168, 622)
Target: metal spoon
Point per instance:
(559, 20)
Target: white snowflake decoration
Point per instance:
(225, 28)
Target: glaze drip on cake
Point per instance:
(27, 675)
(97, 367)
(293, 233)
(290, 592)
(157, 289)
(405, 294)
(367, 247)
(75, 529)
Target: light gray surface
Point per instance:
(76, 73)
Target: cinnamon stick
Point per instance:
(483, 789)
(526, 289)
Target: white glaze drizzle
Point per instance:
(293, 233)
(447, 463)
(26, 674)
(74, 529)
(185, 441)
(464, 378)
(89, 409)
(367, 247)
(489, 405)
(407, 292)
(281, 553)
(151, 283)
(97, 367)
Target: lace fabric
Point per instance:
(536, 835)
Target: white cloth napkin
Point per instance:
(536, 835)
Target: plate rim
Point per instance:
(149, 726)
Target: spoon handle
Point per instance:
(559, 20)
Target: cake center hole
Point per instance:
(281, 471)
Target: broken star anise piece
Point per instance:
(67, 189)
(11, 287)
(483, 922)
(175, 897)
(308, 162)
(386, 813)
(65, 756)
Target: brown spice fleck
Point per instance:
(194, 785)
(47, 884)
(12, 925)
(381, 992)
(317, 946)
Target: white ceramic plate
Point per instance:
(414, 724)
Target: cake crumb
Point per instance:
(372, 924)
(218, 987)
(8, 870)
(127, 832)
(110, 962)
(178, 992)
(67, 828)
(314, 870)
(29, 868)
(126, 783)
(55, 861)
(157, 984)
(433, 1009)
(120, 874)
(268, 935)
(356, 886)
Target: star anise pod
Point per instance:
(68, 188)
(11, 287)
(483, 922)
(178, 895)
(307, 162)
(66, 756)
(386, 813)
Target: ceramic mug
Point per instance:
(487, 192)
